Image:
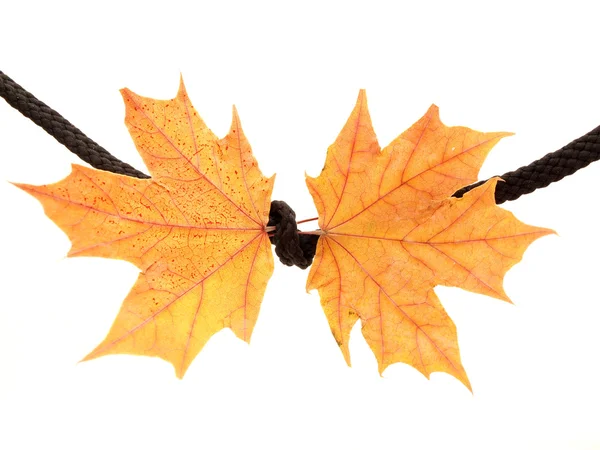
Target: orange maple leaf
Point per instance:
(391, 232)
(196, 230)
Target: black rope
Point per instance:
(62, 130)
(291, 247)
(553, 167)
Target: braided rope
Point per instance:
(62, 130)
(292, 248)
(553, 167)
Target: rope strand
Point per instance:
(551, 168)
(62, 130)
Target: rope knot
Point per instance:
(293, 249)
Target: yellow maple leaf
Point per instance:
(196, 230)
(391, 232)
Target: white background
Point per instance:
(294, 70)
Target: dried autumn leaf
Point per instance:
(391, 232)
(196, 230)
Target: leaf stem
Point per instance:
(273, 228)
(271, 231)
(307, 220)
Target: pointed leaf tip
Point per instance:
(181, 91)
(362, 98)
(433, 111)
(234, 114)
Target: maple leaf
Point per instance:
(196, 230)
(391, 232)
